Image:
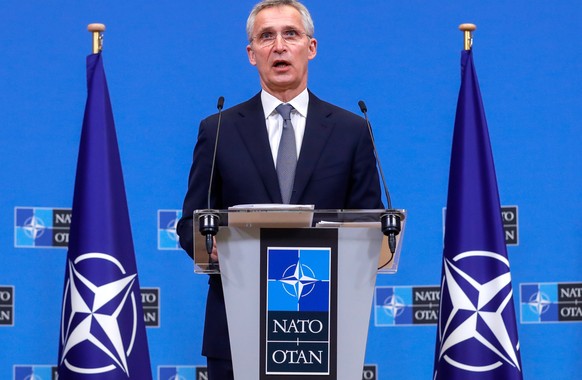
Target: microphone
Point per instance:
(390, 221)
(209, 220)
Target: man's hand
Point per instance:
(214, 254)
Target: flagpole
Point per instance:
(97, 31)
(468, 29)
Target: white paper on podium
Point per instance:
(272, 215)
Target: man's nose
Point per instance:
(280, 43)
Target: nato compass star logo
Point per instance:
(171, 229)
(394, 306)
(93, 312)
(34, 227)
(177, 377)
(33, 377)
(168, 239)
(476, 304)
(539, 303)
(181, 373)
(298, 280)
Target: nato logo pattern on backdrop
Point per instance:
(298, 310)
(6, 305)
(510, 225)
(167, 221)
(370, 372)
(551, 302)
(41, 227)
(150, 300)
(406, 305)
(182, 373)
(35, 372)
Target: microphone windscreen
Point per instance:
(363, 107)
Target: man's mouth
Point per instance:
(280, 64)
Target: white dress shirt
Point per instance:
(274, 121)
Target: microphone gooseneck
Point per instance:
(208, 221)
(390, 221)
(364, 110)
(219, 106)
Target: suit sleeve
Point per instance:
(197, 194)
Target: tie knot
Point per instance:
(285, 110)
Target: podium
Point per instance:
(298, 286)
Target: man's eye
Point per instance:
(266, 36)
(290, 33)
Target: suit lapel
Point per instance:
(317, 129)
(252, 128)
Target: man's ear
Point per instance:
(312, 48)
(251, 55)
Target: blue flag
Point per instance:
(102, 325)
(477, 332)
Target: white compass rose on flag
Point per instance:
(475, 313)
(91, 315)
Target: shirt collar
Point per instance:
(300, 103)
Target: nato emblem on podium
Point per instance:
(298, 303)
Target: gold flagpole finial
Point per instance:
(97, 30)
(468, 29)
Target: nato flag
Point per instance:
(102, 327)
(477, 332)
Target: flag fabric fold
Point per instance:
(102, 332)
(477, 332)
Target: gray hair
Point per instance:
(305, 16)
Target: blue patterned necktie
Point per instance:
(287, 155)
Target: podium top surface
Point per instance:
(255, 217)
(274, 215)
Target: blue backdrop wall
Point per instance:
(167, 62)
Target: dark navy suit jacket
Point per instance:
(336, 169)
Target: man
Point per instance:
(331, 148)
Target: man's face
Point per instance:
(282, 66)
